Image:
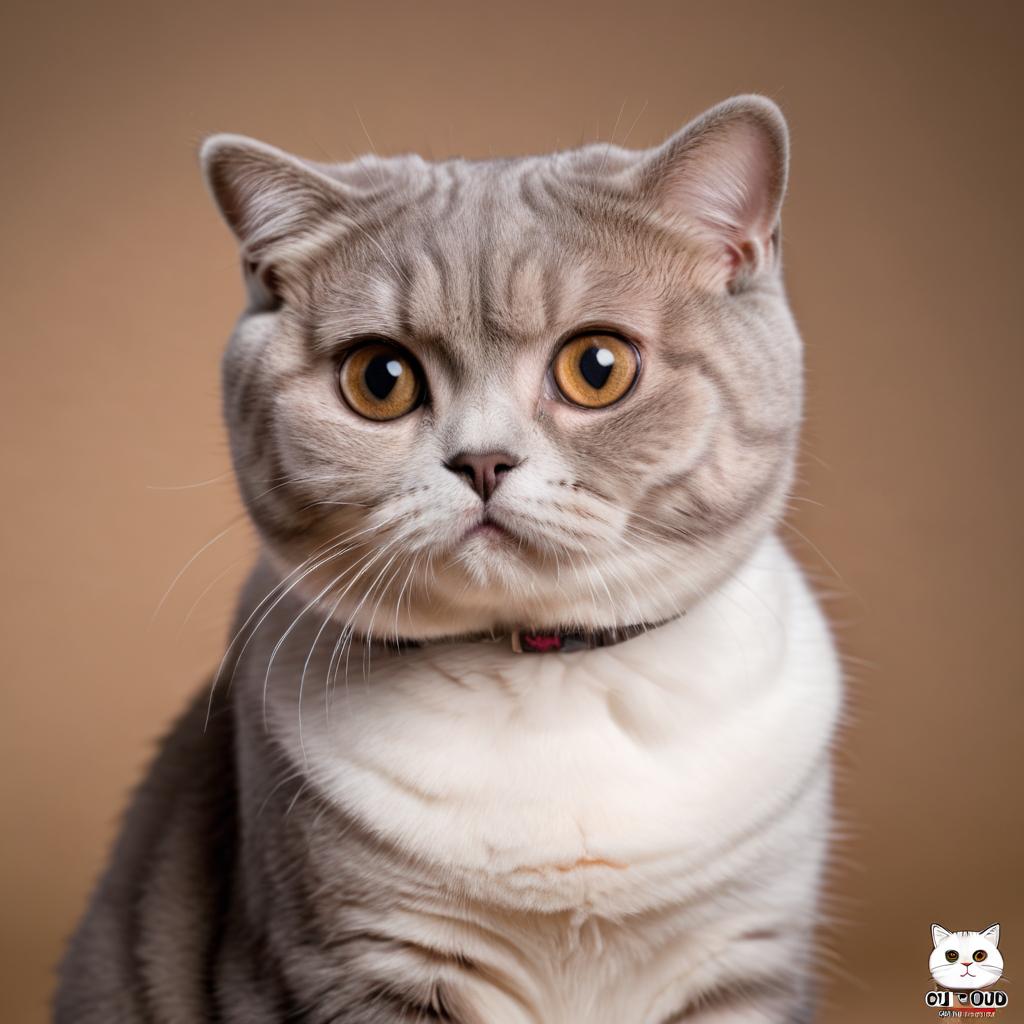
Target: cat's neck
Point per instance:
(295, 663)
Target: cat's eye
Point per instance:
(979, 955)
(952, 955)
(595, 370)
(381, 381)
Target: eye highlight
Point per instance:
(952, 955)
(595, 370)
(380, 381)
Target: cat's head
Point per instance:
(556, 390)
(965, 960)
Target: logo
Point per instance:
(964, 964)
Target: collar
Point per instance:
(558, 641)
(546, 641)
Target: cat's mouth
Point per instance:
(488, 529)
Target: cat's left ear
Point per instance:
(992, 934)
(721, 180)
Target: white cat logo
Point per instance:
(966, 960)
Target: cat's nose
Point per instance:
(483, 471)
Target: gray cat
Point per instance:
(527, 713)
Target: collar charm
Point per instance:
(536, 643)
(564, 642)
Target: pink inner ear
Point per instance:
(732, 263)
(722, 181)
(741, 258)
(742, 254)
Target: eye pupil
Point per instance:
(596, 366)
(381, 375)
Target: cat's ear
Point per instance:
(939, 935)
(992, 934)
(273, 202)
(722, 180)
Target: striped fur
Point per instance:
(369, 835)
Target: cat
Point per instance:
(965, 960)
(527, 714)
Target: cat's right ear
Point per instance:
(275, 204)
(722, 180)
(939, 934)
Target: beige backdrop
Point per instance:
(902, 245)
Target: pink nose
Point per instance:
(483, 471)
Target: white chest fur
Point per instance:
(595, 826)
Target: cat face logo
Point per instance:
(965, 960)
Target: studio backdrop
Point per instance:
(123, 537)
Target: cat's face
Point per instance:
(965, 960)
(552, 391)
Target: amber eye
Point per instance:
(380, 381)
(979, 955)
(595, 370)
(952, 955)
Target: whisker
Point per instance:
(227, 474)
(181, 572)
(325, 552)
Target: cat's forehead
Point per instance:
(492, 255)
(958, 937)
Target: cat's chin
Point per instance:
(498, 584)
(490, 578)
(494, 559)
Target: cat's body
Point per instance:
(449, 830)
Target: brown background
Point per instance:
(902, 244)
